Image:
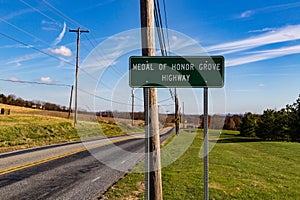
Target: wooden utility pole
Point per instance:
(78, 31)
(177, 120)
(70, 105)
(152, 139)
(132, 106)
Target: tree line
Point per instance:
(281, 125)
(17, 101)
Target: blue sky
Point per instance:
(259, 40)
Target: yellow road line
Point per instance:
(16, 168)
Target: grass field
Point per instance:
(26, 127)
(240, 168)
(24, 131)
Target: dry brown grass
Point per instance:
(120, 121)
(31, 111)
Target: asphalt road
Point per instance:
(69, 171)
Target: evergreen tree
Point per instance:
(281, 129)
(248, 125)
(293, 113)
(273, 125)
(265, 125)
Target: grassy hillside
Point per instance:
(23, 131)
(240, 168)
(31, 111)
(26, 127)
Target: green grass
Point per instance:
(23, 131)
(19, 131)
(87, 130)
(239, 168)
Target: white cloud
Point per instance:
(263, 55)
(174, 38)
(61, 35)
(14, 79)
(13, 46)
(62, 50)
(50, 26)
(46, 79)
(261, 30)
(246, 14)
(24, 58)
(288, 33)
(261, 85)
(49, 22)
(240, 49)
(49, 29)
(17, 13)
(183, 45)
(280, 51)
(106, 60)
(279, 7)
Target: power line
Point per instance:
(62, 15)
(96, 58)
(47, 54)
(23, 31)
(32, 82)
(165, 100)
(166, 23)
(139, 99)
(161, 37)
(160, 33)
(68, 19)
(105, 99)
(32, 47)
(166, 105)
(50, 18)
(159, 26)
(35, 82)
(37, 10)
(43, 52)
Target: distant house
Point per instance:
(37, 107)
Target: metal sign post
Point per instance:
(205, 108)
(147, 142)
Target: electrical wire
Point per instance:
(167, 28)
(166, 105)
(164, 100)
(23, 31)
(75, 23)
(62, 15)
(96, 58)
(159, 28)
(32, 47)
(35, 82)
(37, 10)
(160, 33)
(67, 19)
(105, 99)
(138, 98)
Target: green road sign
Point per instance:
(176, 71)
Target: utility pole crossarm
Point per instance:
(81, 31)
